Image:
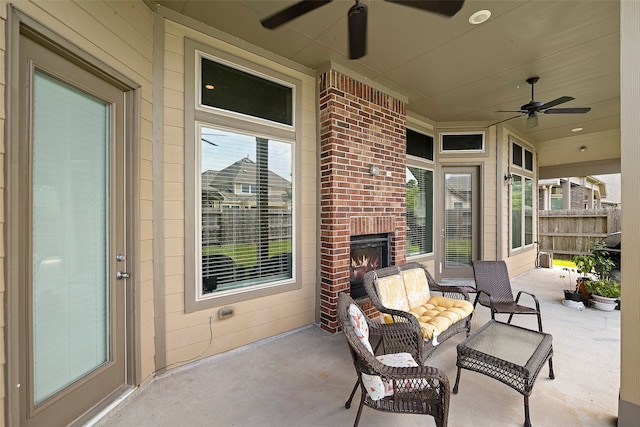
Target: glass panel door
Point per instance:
(72, 221)
(70, 235)
(460, 223)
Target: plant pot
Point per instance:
(604, 300)
(573, 296)
(581, 285)
(604, 306)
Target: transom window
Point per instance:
(232, 89)
(521, 157)
(460, 142)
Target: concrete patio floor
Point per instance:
(304, 377)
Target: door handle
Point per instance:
(122, 275)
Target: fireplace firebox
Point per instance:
(368, 252)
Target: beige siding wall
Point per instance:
(188, 335)
(119, 34)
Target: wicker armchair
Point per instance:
(406, 388)
(494, 291)
(428, 346)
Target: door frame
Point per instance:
(476, 217)
(20, 25)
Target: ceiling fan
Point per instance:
(358, 17)
(534, 107)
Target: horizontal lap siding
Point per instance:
(188, 335)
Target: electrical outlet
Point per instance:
(226, 312)
(388, 173)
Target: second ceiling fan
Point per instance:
(532, 108)
(358, 17)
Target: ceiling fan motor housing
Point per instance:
(533, 105)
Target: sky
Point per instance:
(231, 146)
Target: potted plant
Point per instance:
(604, 293)
(585, 266)
(604, 290)
(571, 293)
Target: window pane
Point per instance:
(528, 160)
(246, 210)
(458, 223)
(516, 154)
(419, 211)
(462, 142)
(528, 211)
(235, 90)
(516, 212)
(419, 144)
(70, 235)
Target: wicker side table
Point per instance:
(507, 353)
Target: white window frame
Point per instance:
(426, 165)
(520, 172)
(196, 116)
(441, 149)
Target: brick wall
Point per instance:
(360, 127)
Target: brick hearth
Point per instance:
(361, 127)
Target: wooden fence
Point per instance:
(570, 232)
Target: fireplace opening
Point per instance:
(368, 252)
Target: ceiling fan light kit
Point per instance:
(357, 17)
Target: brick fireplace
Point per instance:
(363, 173)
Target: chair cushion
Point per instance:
(392, 293)
(375, 386)
(439, 313)
(416, 286)
(360, 326)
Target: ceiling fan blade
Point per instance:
(506, 120)
(512, 111)
(441, 7)
(576, 110)
(357, 31)
(292, 12)
(555, 102)
(532, 120)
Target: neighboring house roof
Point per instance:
(222, 184)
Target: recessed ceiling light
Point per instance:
(479, 17)
(210, 87)
(576, 129)
(583, 148)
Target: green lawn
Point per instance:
(563, 263)
(246, 255)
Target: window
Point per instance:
(419, 194)
(240, 203)
(462, 141)
(419, 144)
(246, 236)
(419, 211)
(249, 189)
(521, 157)
(521, 196)
(232, 89)
(521, 212)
